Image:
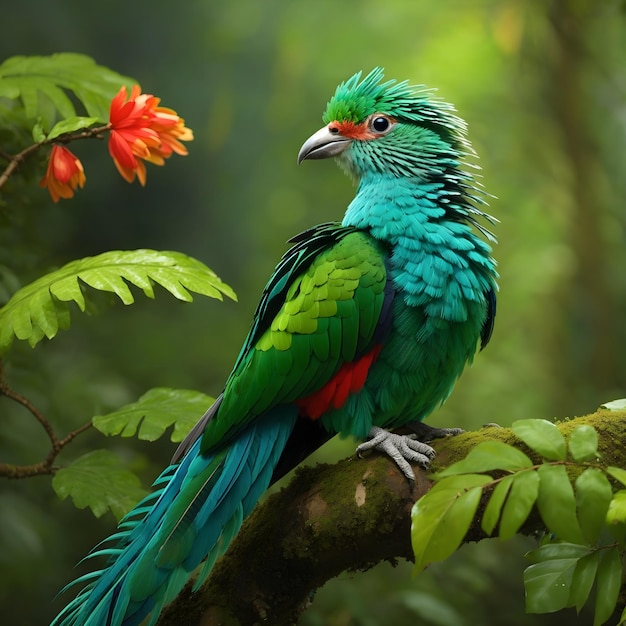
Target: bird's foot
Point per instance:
(400, 448)
(425, 433)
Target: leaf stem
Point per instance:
(534, 468)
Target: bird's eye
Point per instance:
(380, 124)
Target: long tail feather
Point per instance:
(192, 516)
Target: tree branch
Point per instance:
(16, 160)
(330, 519)
(46, 466)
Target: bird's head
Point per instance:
(388, 127)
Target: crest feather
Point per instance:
(355, 99)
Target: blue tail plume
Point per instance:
(197, 508)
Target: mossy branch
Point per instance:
(333, 518)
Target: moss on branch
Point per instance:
(333, 518)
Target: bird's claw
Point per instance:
(400, 448)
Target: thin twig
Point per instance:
(24, 471)
(47, 465)
(70, 436)
(6, 391)
(16, 160)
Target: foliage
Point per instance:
(138, 128)
(154, 413)
(253, 86)
(36, 87)
(99, 480)
(40, 83)
(39, 309)
(585, 538)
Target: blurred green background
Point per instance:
(542, 87)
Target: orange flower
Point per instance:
(143, 131)
(65, 173)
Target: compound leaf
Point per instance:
(98, 480)
(593, 497)
(154, 413)
(494, 506)
(41, 83)
(542, 436)
(609, 581)
(489, 456)
(441, 518)
(39, 309)
(583, 579)
(520, 502)
(557, 504)
(583, 443)
(548, 580)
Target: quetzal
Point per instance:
(364, 326)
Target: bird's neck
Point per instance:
(418, 219)
(393, 209)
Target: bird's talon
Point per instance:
(402, 449)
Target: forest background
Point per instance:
(542, 87)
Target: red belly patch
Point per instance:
(349, 379)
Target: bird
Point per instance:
(362, 329)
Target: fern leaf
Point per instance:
(98, 480)
(154, 413)
(41, 82)
(41, 308)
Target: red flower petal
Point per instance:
(64, 173)
(143, 130)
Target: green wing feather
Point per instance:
(318, 311)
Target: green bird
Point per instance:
(364, 327)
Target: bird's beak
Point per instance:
(322, 145)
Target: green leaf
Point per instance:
(98, 480)
(38, 134)
(8, 90)
(519, 504)
(609, 581)
(70, 125)
(548, 581)
(615, 405)
(488, 456)
(154, 413)
(583, 443)
(583, 579)
(555, 549)
(36, 310)
(556, 503)
(41, 82)
(542, 436)
(617, 508)
(441, 518)
(494, 506)
(618, 473)
(593, 497)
